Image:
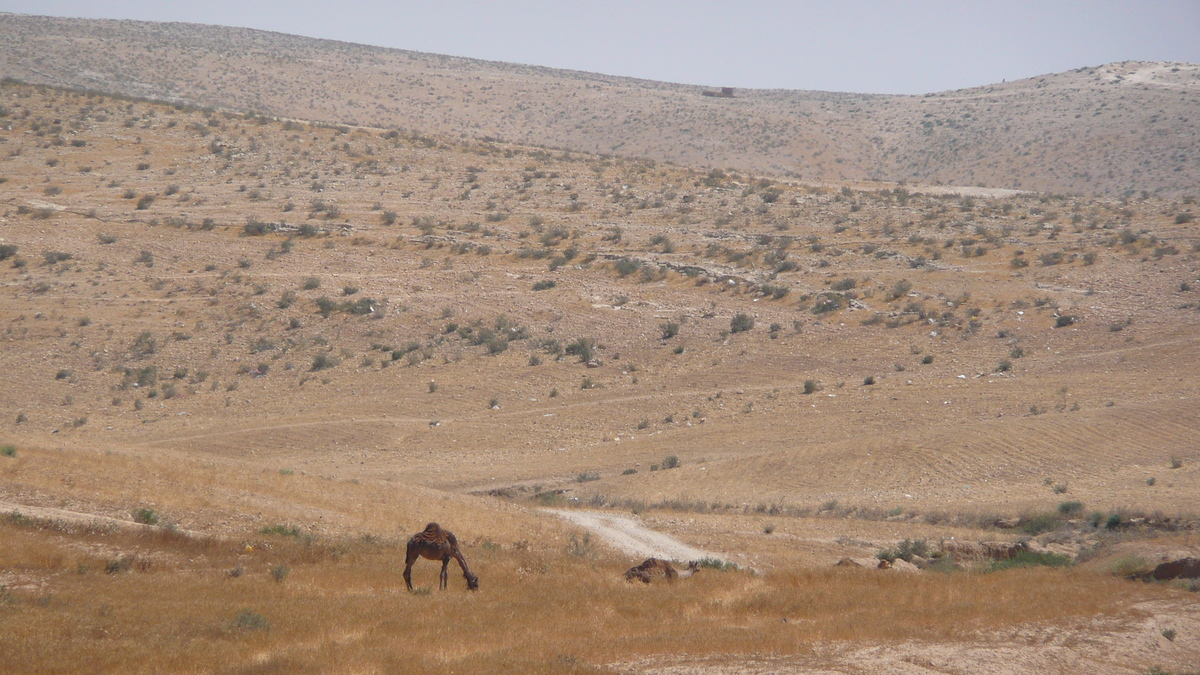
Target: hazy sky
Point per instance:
(860, 46)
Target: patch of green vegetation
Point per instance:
(1031, 559)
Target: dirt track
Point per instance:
(632, 537)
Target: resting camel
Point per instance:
(652, 567)
(434, 543)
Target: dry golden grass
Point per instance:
(342, 607)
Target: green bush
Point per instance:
(1042, 522)
(281, 530)
(583, 348)
(1071, 508)
(249, 620)
(718, 565)
(740, 323)
(627, 266)
(1031, 559)
(145, 516)
(323, 361)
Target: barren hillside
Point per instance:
(1115, 129)
(283, 346)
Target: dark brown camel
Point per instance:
(652, 567)
(434, 543)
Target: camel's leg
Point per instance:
(443, 580)
(410, 557)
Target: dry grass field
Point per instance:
(285, 346)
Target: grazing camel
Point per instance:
(652, 567)
(434, 543)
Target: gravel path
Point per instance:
(630, 536)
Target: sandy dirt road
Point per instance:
(630, 536)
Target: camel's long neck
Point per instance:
(462, 562)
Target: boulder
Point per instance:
(1003, 550)
(1180, 568)
(857, 562)
(902, 565)
(963, 549)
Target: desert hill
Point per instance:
(1114, 129)
(267, 350)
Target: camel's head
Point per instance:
(472, 582)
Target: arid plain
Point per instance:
(261, 352)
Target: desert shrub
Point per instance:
(829, 302)
(927, 359)
(629, 472)
(905, 550)
(249, 620)
(587, 477)
(279, 573)
(669, 329)
(281, 530)
(1181, 218)
(255, 227)
(741, 322)
(325, 306)
(810, 386)
(144, 202)
(145, 516)
(671, 462)
(544, 285)
(844, 284)
(626, 266)
(8, 451)
(1071, 508)
(1031, 559)
(1042, 522)
(1063, 320)
(868, 381)
(718, 565)
(898, 290)
(53, 257)
(323, 361)
(583, 348)
(145, 344)
(8, 250)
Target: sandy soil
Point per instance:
(629, 536)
